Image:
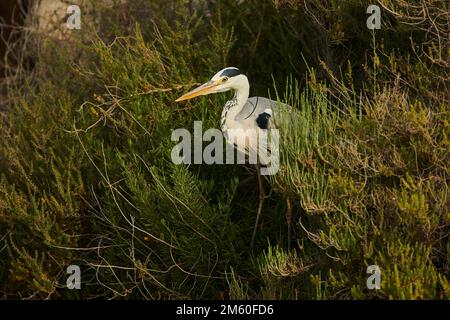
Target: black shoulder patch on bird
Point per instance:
(230, 72)
(263, 120)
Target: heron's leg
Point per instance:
(289, 220)
(262, 196)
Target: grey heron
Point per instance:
(251, 117)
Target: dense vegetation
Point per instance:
(86, 176)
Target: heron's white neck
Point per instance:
(234, 106)
(242, 91)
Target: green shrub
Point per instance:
(86, 176)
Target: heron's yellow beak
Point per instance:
(199, 91)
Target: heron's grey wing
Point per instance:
(260, 112)
(260, 115)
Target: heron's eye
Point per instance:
(225, 79)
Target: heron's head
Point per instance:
(226, 79)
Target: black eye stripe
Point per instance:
(232, 72)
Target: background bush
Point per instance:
(86, 176)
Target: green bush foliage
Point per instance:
(86, 176)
